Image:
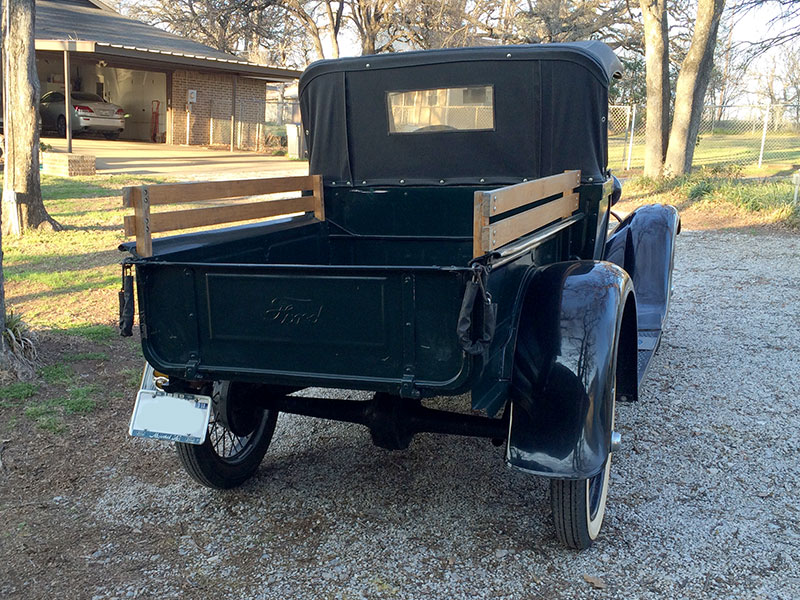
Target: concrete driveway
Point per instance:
(182, 162)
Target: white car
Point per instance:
(89, 113)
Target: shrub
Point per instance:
(19, 338)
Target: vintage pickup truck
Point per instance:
(452, 238)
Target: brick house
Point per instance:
(160, 79)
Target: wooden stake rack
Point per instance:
(143, 224)
(493, 228)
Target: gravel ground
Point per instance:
(702, 504)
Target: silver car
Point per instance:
(89, 113)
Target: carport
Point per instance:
(173, 90)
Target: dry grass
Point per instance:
(713, 199)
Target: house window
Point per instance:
(467, 108)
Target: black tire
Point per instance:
(578, 507)
(111, 135)
(226, 460)
(61, 126)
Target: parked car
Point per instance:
(89, 113)
(454, 238)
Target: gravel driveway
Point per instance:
(703, 500)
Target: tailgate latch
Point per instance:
(126, 301)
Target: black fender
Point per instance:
(574, 317)
(644, 245)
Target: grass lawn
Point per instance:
(64, 284)
(781, 153)
(69, 279)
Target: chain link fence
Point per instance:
(465, 117)
(257, 125)
(753, 137)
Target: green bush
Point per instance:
(19, 338)
(700, 189)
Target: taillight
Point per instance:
(82, 109)
(120, 112)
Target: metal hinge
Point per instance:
(191, 368)
(407, 387)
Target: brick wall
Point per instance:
(67, 165)
(214, 100)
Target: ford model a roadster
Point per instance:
(452, 239)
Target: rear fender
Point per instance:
(643, 244)
(573, 318)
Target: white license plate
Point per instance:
(172, 417)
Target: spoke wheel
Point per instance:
(226, 460)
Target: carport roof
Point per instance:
(91, 28)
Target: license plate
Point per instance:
(171, 417)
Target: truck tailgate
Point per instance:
(361, 327)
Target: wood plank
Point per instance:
(479, 221)
(507, 230)
(141, 215)
(200, 217)
(129, 221)
(129, 224)
(172, 193)
(127, 197)
(319, 198)
(501, 200)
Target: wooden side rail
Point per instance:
(143, 224)
(491, 233)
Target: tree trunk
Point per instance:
(656, 50)
(313, 31)
(691, 90)
(368, 45)
(334, 24)
(23, 208)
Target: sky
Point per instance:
(756, 26)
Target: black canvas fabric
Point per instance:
(550, 115)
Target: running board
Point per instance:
(649, 340)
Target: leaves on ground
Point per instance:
(596, 582)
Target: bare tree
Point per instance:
(691, 89)
(217, 23)
(563, 20)
(786, 24)
(654, 13)
(320, 21)
(278, 29)
(670, 151)
(439, 23)
(23, 208)
(379, 23)
(278, 39)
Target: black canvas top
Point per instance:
(550, 104)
